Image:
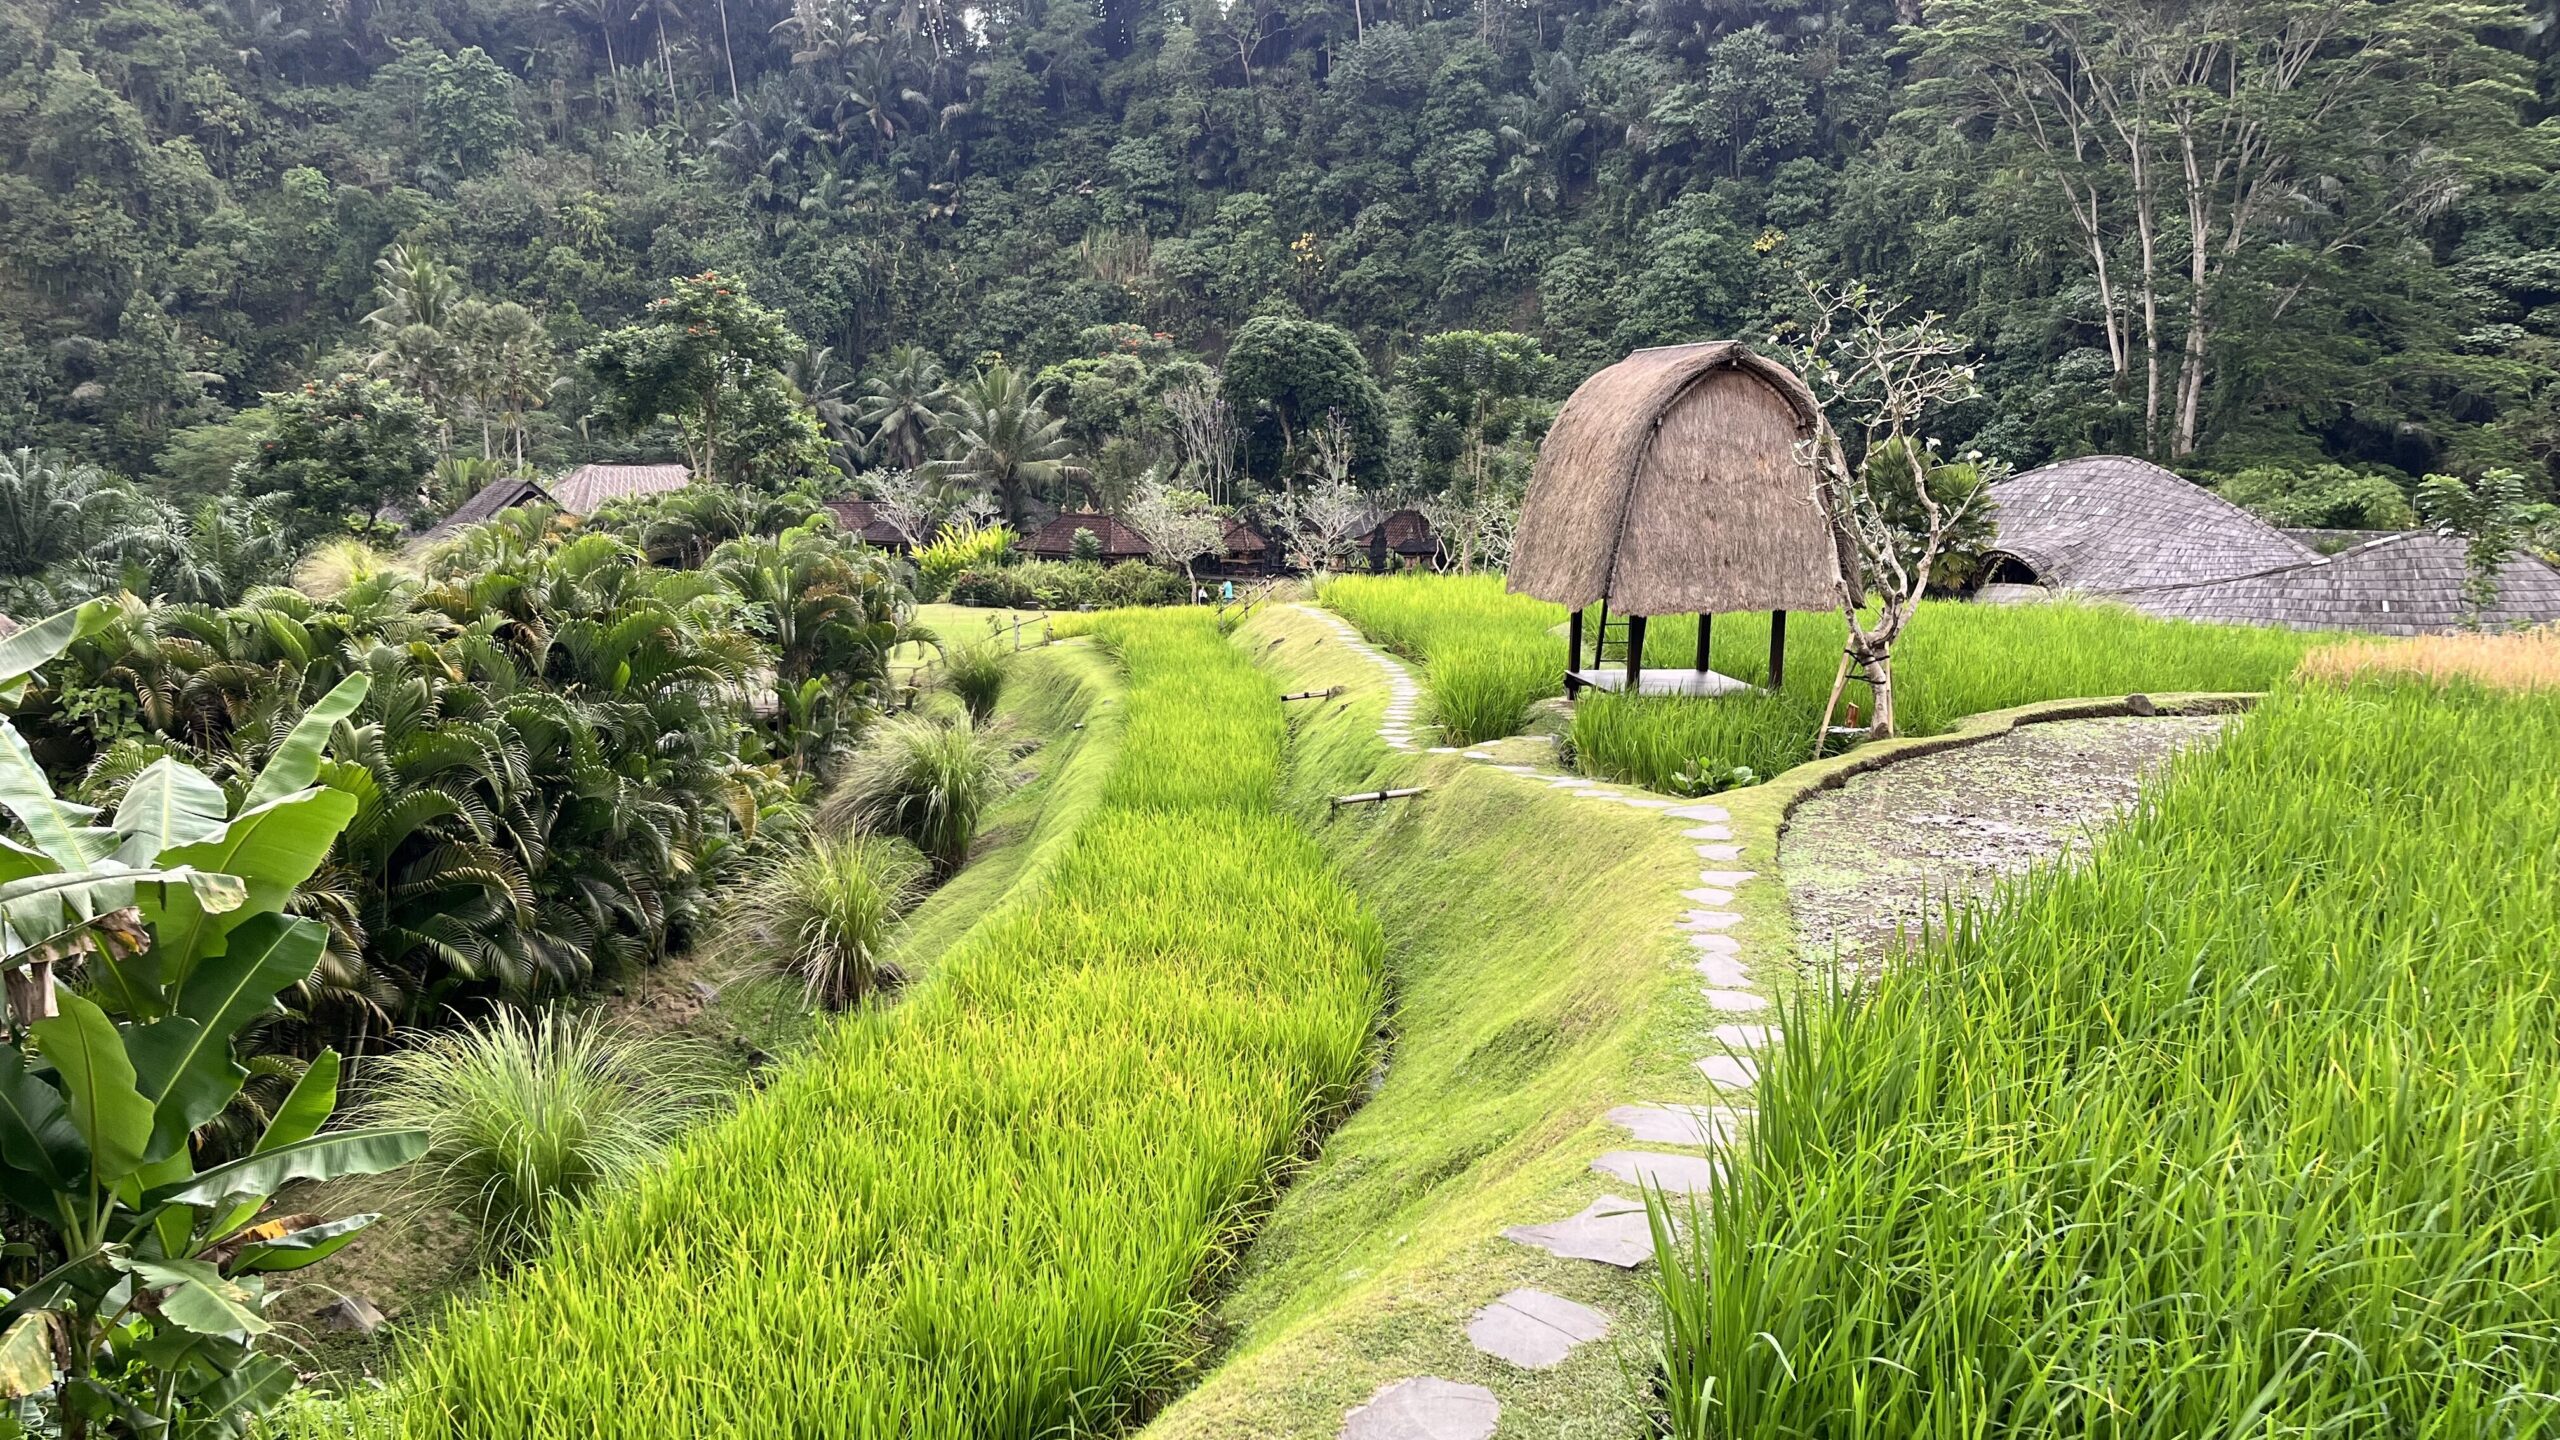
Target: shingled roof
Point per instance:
(2106, 524)
(487, 503)
(582, 490)
(2399, 585)
(1056, 540)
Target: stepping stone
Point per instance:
(1735, 1001)
(1724, 972)
(1708, 898)
(1533, 1329)
(1730, 1070)
(1611, 1232)
(1699, 812)
(1642, 803)
(1745, 1037)
(1709, 832)
(1517, 769)
(1722, 854)
(1444, 749)
(1726, 878)
(1712, 1126)
(1653, 1169)
(1710, 920)
(1566, 781)
(1715, 944)
(1425, 1408)
(1479, 754)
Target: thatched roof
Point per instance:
(589, 486)
(1243, 538)
(487, 503)
(1057, 539)
(862, 518)
(1670, 484)
(2106, 524)
(2399, 585)
(1403, 532)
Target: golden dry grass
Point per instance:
(2517, 660)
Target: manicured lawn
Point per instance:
(2249, 1125)
(990, 1211)
(1489, 656)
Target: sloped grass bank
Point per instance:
(2244, 1126)
(1489, 656)
(1537, 983)
(988, 1211)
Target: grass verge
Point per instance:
(1536, 983)
(2242, 1126)
(990, 1210)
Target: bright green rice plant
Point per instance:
(1487, 656)
(924, 780)
(822, 915)
(530, 1116)
(2246, 1126)
(974, 674)
(995, 1209)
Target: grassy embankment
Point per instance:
(1489, 656)
(2246, 1126)
(989, 1210)
(1537, 982)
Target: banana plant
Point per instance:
(168, 918)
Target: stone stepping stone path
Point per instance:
(1425, 1408)
(1533, 1329)
(1611, 1231)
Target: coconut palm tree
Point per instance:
(901, 406)
(999, 435)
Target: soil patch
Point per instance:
(1874, 858)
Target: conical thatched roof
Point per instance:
(1670, 484)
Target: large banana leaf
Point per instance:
(296, 762)
(42, 1158)
(293, 1249)
(58, 827)
(272, 848)
(44, 907)
(105, 1105)
(167, 805)
(313, 1099)
(26, 1354)
(23, 652)
(368, 1151)
(195, 1296)
(183, 1063)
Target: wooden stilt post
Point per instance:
(1706, 628)
(1600, 639)
(1777, 649)
(1635, 654)
(1572, 651)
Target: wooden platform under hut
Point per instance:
(1670, 484)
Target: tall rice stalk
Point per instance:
(2248, 1126)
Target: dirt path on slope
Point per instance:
(1895, 844)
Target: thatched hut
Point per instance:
(1671, 484)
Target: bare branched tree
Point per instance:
(1179, 525)
(907, 500)
(1881, 379)
(1206, 426)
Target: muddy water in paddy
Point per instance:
(1895, 844)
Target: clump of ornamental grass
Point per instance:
(925, 780)
(532, 1116)
(974, 674)
(822, 914)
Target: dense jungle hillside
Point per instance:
(2284, 232)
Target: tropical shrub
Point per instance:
(822, 915)
(924, 780)
(135, 1303)
(530, 1116)
(2242, 1125)
(958, 548)
(2320, 497)
(974, 674)
(1068, 585)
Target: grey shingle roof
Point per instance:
(487, 503)
(2399, 585)
(2105, 524)
(583, 489)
